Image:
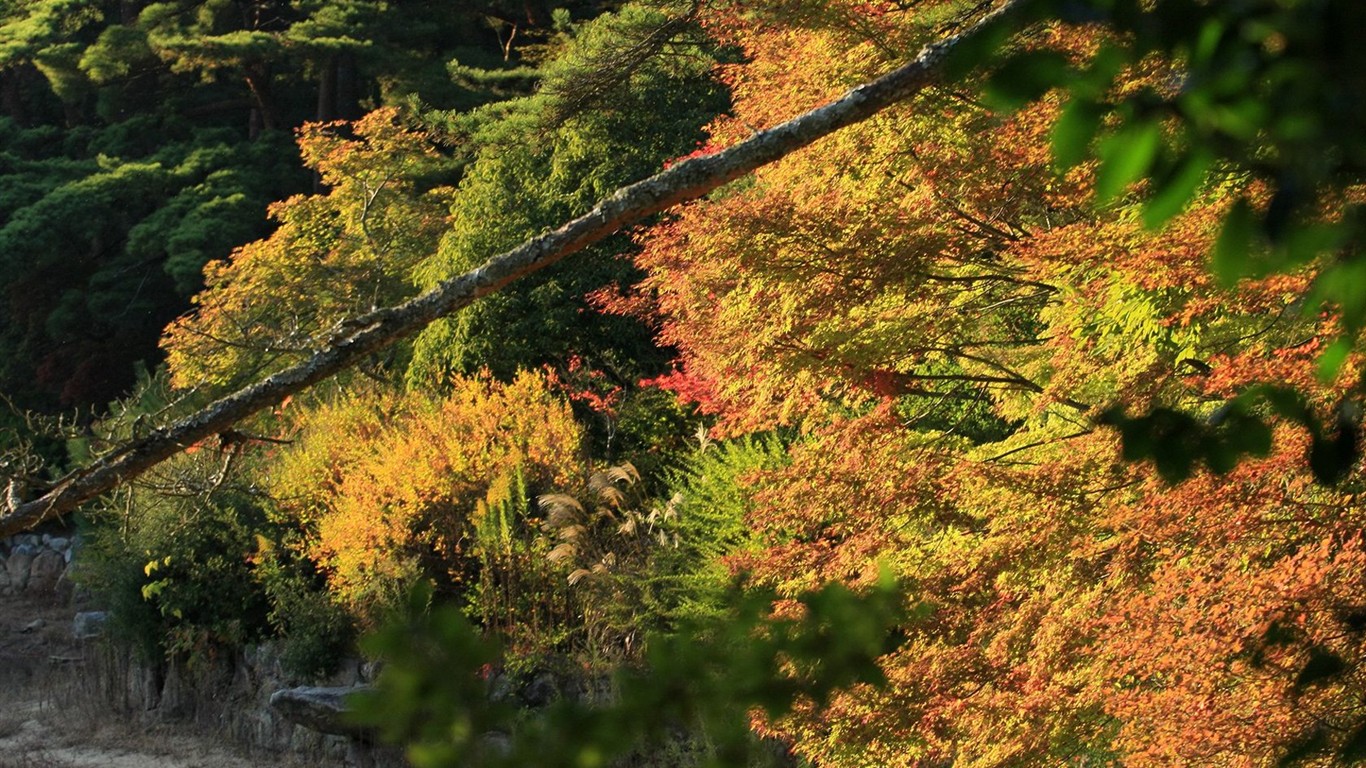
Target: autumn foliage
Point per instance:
(397, 487)
(942, 315)
(901, 349)
(334, 254)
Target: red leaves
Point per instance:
(703, 150)
(584, 385)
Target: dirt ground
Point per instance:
(52, 717)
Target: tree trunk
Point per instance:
(327, 91)
(353, 340)
(337, 88)
(12, 96)
(264, 117)
(347, 93)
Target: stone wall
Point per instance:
(228, 696)
(232, 697)
(37, 563)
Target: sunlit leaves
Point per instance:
(1050, 553)
(334, 255)
(1085, 610)
(392, 485)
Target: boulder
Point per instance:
(45, 571)
(541, 690)
(496, 744)
(319, 708)
(88, 624)
(18, 565)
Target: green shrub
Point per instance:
(316, 633)
(176, 572)
(711, 505)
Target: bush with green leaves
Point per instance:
(315, 633)
(176, 572)
(709, 677)
(690, 579)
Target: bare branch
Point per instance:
(354, 340)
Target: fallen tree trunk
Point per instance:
(359, 337)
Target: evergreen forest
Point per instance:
(1014, 420)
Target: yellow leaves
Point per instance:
(155, 565)
(334, 255)
(388, 478)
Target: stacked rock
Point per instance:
(35, 563)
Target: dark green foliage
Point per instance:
(140, 141)
(1177, 442)
(315, 634)
(1323, 665)
(545, 159)
(173, 558)
(1266, 88)
(175, 574)
(433, 695)
(651, 428)
(104, 239)
(965, 410)
(515, 592)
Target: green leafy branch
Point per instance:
(713, 675)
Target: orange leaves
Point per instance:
(392, 483)
(1081, 608)
(868, 287)
(1205, 665)
(878, 263)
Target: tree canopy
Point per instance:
(993, 405)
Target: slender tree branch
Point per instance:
(354, 340)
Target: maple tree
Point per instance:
(936, 318)
(943, 316)
(334, 256)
